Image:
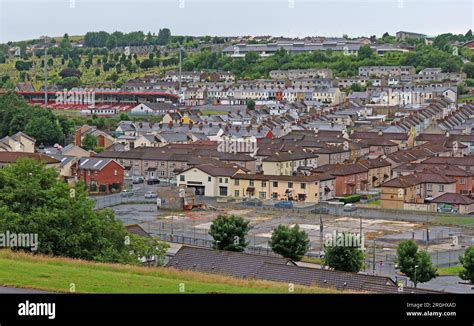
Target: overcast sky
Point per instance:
(26, 19)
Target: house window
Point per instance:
(226, 180)
(236, 182)
(251, 183)
(223, 191)
(275, 183)
(303, 185)
(262, 195)
(290, 185)
(274, 195)
(462, 181)
(264, 183)
(115, 172)
(441, 188)
(182, 178)
(236, 193)
(429, 187)
(220, 180)
(209, 179)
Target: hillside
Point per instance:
(57, 274)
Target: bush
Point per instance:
(350, 199)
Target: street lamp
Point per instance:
(414, 279)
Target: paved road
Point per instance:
(12, 290)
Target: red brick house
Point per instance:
(350, 178)
(101, 175)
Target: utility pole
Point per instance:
(373, 260)
(45, 73)
(180, 68)
(321, 231)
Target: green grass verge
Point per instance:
(311, 260)
(57, 274)
(460, 220)
(452, 270)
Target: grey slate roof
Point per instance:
(93, 163)
(279, 269)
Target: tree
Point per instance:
(467, 261)
(365, 52)
(70, 72)
(469, 69)
(69, 82)
(45, 131)
(251, 105)
(345, 256)
(414, 263)
(228, 233)
(34, 201)
(89, 142)
(251, 57)
(289, 242)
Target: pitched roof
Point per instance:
(94, 163)
(12, 157)
(278, 269)
(453, 198)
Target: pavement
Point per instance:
(12, 290)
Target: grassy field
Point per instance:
(453, 270)
(57, 274)
(458, 220)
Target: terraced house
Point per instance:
(310, 189)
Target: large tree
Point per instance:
(229, 233)
(467, 261)
(34, 201)
(344, 255)
(289, 242)
(415, 263)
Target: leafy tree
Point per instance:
(23, 65)
(289, 242)
(69, 82)
(70, 72)
(229, 233)
(347, 258)
(409, 256)
(469, 69)
(365, 52)
(251, 57)
(89, 142)
(34, 200)
(467, 261)
(251, 105)
(45, 131)
(147, 63)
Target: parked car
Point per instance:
(320, 210)
(126, 193)
(153, 181)
(350, 207)
(137, 180)
(253, 202)
(284, 204)
(150, 194)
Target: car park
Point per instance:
(320, 210)
(126, 193)
(151, 194)
(253, 202)
(350, 207)
(153, 181)
(284, 204)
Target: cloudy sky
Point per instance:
(26, 19)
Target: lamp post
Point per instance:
(414, 278)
